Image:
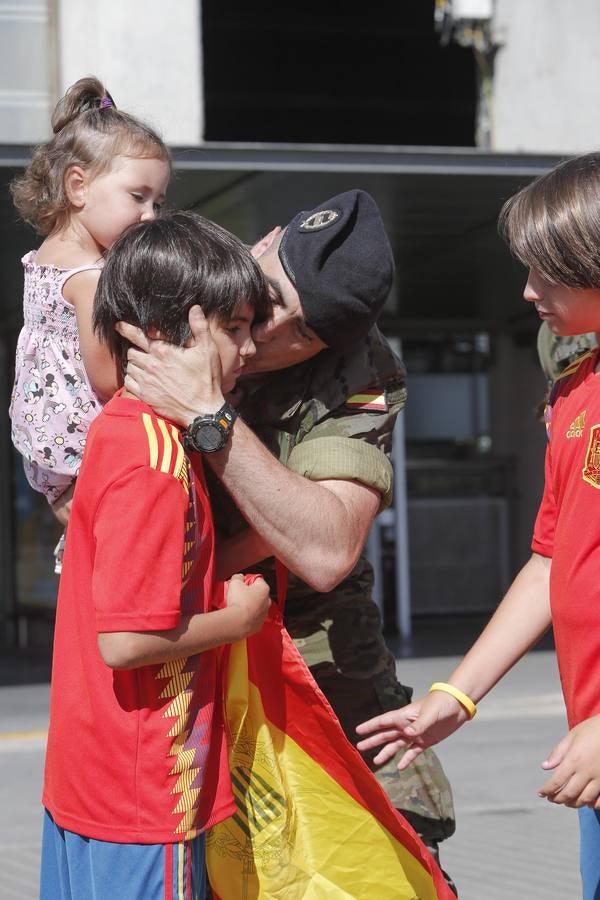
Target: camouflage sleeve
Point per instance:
(556, 352)
(353, 443)
(345, 459)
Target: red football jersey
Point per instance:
(567, 529)
(135, 756)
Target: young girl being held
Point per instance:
(102, 171)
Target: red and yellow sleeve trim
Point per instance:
(165, 449)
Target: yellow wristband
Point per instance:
(458, 695)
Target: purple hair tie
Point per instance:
(105, 103)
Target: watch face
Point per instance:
(210, 432)
(209, 437)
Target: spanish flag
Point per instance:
(311, 821)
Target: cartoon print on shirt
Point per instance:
(51, 386)
(84, 407)
(74, 423)
(49, 458)
(72, 457)
(33, 391)
(49, 368)
(73, 382)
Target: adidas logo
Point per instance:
(577, 425)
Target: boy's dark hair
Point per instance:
(89, 131)
(553, 224)
(157, 270)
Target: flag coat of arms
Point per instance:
(311, 820)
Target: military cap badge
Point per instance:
(319, 220)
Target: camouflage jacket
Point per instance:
(557, 352)
(331, 417)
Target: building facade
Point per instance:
(439, 109)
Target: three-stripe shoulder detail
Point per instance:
(165, 450)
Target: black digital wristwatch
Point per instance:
(210, 432)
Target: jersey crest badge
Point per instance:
(591, 469)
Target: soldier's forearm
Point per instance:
(239, 552)
(317, 529)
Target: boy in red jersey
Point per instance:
(136, 747)
(553, 227)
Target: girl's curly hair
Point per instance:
(89, 131)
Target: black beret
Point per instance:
(339, 259)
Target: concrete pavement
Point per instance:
(23, 724)
(508, 843)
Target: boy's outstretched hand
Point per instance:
(412, 728)
(576, 762)
(250, 602)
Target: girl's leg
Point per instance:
(589, 852)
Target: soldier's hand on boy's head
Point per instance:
(177, 382)
(250, 601)
(575, 760)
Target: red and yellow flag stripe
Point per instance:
(367, 400)
(311, 819)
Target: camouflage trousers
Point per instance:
(340, 638)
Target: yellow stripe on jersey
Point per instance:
(152, 439)
(179, 461)
(167, 444)
(165, 447)
(180, 872)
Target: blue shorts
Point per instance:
(76, 868)
(589, 852)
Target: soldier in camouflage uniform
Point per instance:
(339, 633)
(556, 352)
(327, 417)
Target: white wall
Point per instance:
(25, 92)
(147, 52)
(547, 76)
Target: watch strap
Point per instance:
(222, 420)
